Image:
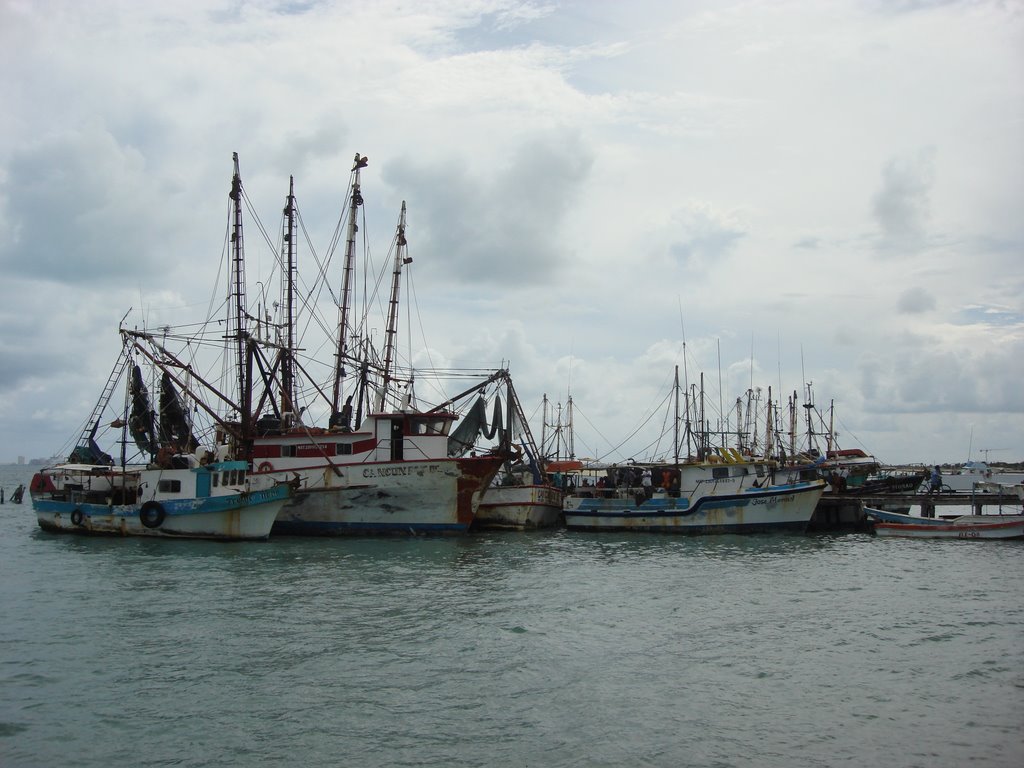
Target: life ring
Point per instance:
(152, 514)
(265, 466)
(77, 518)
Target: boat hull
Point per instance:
(381, 498)
(519, 508)
(774, 509)
(246, 516)
(965, 527)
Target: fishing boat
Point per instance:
(520, 506)
(699, 499)
(204, 501)
(522, 497)
(184, 469)
(391, 476)
(815, 452)
(174, 489)
(382, 464)
(891, 524)
(718, 491)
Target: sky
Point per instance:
(771, 194)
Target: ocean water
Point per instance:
(541, 649)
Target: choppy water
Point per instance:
(549, 649)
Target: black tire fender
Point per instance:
(152, 514)
(77, 518)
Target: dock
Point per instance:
(845, 511)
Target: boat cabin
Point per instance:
(401, 436)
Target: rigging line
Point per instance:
(341, 226)
(254, 217)
(220, 270)
(306, 301)
(423, 333)
(613, 448)
(778, 359)
(721, 404)
(657, 441)
(322, 264)
(751, 360)
(407, 274)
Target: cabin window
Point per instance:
(429, 426)
(216, 477)
(719, 473)
(169, 486)
(288, 450)
(759, 469)
(344, 449)
(225, 478)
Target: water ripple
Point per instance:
(551, 649)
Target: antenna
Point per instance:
(987, 451)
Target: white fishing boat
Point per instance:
(183, 469)
(721, 491)
(391, 476)
(890, 524)
(206, 501)
(382, 464)
(174, 485)
(700, 498)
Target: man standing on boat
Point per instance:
(645, 481)
(936, 483)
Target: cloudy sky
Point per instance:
(791, 191)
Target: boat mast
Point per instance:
(750, 424)
(515, 413)
(739, 424)
(792, 424)
(705, 437)
(570, 441)
(830, 443)
(237, 326)
(355, 201)
(392, 328)
(812, 444)
(287, 371)
(544, 426)
(675, 419)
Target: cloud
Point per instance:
(703, 235)
(498, 225)
(915, 300)
(78, 210)
(588, 184)
(901, 206)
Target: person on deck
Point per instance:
(936, 481)
(645, 482)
